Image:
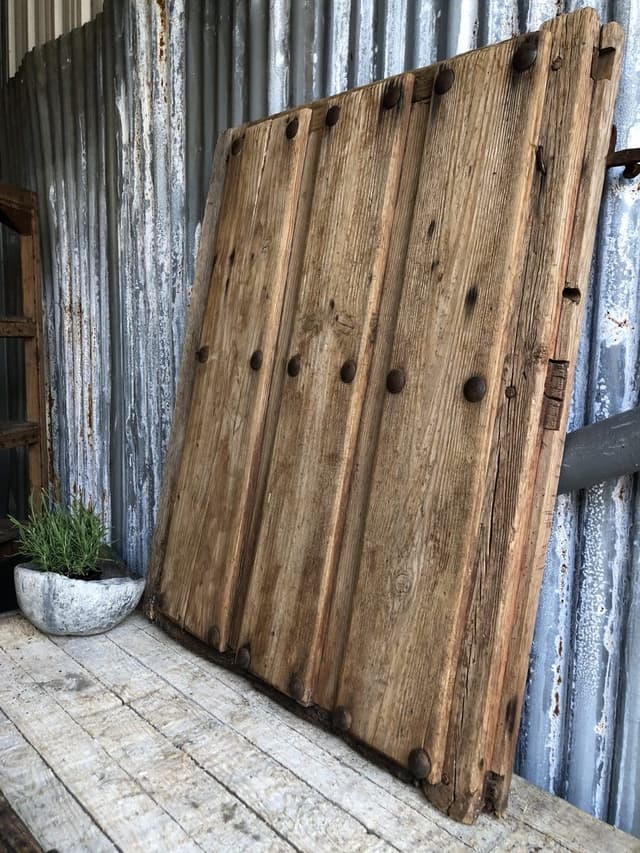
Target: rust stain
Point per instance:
(163, 28)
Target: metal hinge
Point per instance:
(555, 389)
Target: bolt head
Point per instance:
(292, 128)
(294, 365)
(203, 354)
(255, 362)
(236, 145)
(396, 381)
(444, 81)
(510, 391)
(243, 657)
(392, 96)
(526, 54)
(296, 688)
(332, 116)
(341, 718)
(475, 389)
(348, 371)
(419, 763)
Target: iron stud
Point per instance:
(341, 718)
(419, 763)
(214, 637)
(510, 392)
(255, 362)
(296, 688)
(475, 388)
(294, 365)
(333, 114)
(348, 371)
(395, 381)
(444, 81)
(292, 128)
(243, 657)
(203, 354)
(526, 54)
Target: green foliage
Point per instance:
(66, 540)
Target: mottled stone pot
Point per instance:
(59, 605)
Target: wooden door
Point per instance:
(372, 400)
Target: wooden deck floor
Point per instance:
(127, 741)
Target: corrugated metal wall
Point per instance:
(114, 127)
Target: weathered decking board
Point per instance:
(130, 741)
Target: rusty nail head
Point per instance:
(255, 362)
(510, 391)
(395, 381)
(236, 145)
(475, 388)
(348, 371)
(292, 128)
(333, 114)
(526, 54)
(341, 718)
(419, 763)
(296, 688)
(214, 636)
(444, 81)
(243, 657)
(293, 367)
(391, 96)
(203, 354)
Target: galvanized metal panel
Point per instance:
(114, 127)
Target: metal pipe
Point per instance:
(601, 451)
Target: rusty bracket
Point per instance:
(629, 158)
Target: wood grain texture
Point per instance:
(17, 327)
(498, 557)
(430, 464)
(213, 502)
(195, 316)
(292, 578)
(569, 326)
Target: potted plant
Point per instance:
(73, 583)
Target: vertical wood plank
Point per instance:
(236, 350)
(292, 579)
(460, 273)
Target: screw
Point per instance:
(395, 381)
(293, 367)
(348, 371)
(236, 145)
(475, 388)
(296, 688)
(444, 81)
(292, 128)
(255, 362)
(526, 54)
(243, 657)
(510, 391)
(333, 114)
(341, 718)
(203, 354)
(214, 637)
(391, 96)
(419, 763)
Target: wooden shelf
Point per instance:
(16, 434)
(17, 327)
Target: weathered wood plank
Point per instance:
(17, 327)
(54, 815)
(213, 502)
(517, 433)
(195, 317)
(572, 293)
(285, 609)
(460, 272)
(14, 434)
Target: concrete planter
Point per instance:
(59, 605)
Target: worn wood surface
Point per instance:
(214, 501)
(17, 327)
(129, 741)
(360, 157)
(377, 554)
(430, 464)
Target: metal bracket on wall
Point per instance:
(602, 451)
(629, 158)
